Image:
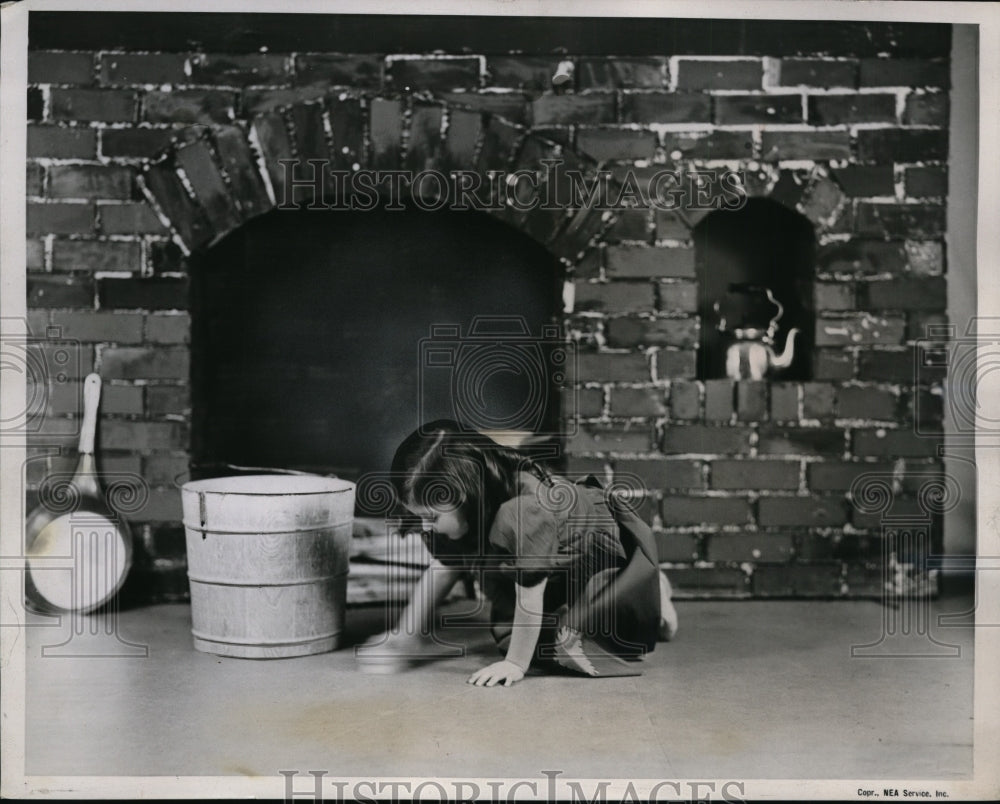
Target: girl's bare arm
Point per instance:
(523, 638)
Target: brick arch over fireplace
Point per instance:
(214, 178)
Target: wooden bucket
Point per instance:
(268, 562)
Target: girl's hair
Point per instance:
(444, 466)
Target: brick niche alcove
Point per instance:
(137, 159)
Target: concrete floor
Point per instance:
(753, 690)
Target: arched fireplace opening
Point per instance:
(740, 257)
(311, 330)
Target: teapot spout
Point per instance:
(784, 360)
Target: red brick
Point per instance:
(258, 101)
(866, 403)
(709, 511)
(784, 401)
(678, 297)
(862, 257)
(821, 145)
(887, 72)
(776, 440)
(59, 291)
(833, 110)
(131, 363)
(61, 142)
(614, 297)
(924, 293)
(100, 327)
(204, 106)
(899, 507)
(412, 75)
(612, 367)
(511, 106)
(860, 329)
(798, 580)
(675, 363)
(238, 70)
(902, 145)
(566, 110)
(866, 181)
(833, 296)
(719, 400)
(90, 181)
(130, 218)
(611, 438)
(677, 546)
(166, 257)
(708, 145)
(839, 475)
(751, 401)
(818, 400)
(894, 366)
(926, 182)
(614, 144)
(819, 72)
(60, 67)
(628, 332)
(501, 141)
(925, 259)
(96, 255)
(522, 72)
(143, 68)
(736, 110)
(585, 402)
(620, 73)
(385, 132)
(147, 293)
(34, 179)
(740, 74)
(630, 224)
(34, 257)
(106, 105)
(926, 109)
(135, 142)
(142, 436)
(709, 582)
(168, 328)
(659, 474)
(812, 512)
(628, 402)
(643, 261)
(685, 400)
(739, 547)
(755, 474)
(341, 71)
(671, 226)
(579, 468)
(830, 364)
(895, 443)
(60, 218)
(168, 400)
(36, 104)
(666, 107)
(699, 439)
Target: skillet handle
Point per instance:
(91, 400)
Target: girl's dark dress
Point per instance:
(599, 559)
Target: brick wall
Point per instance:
(745, 483)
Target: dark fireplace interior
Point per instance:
(310, 330)
(737, 253)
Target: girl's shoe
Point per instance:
(668, 614)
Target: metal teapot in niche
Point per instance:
(752, 355)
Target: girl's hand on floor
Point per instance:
(499, 672)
